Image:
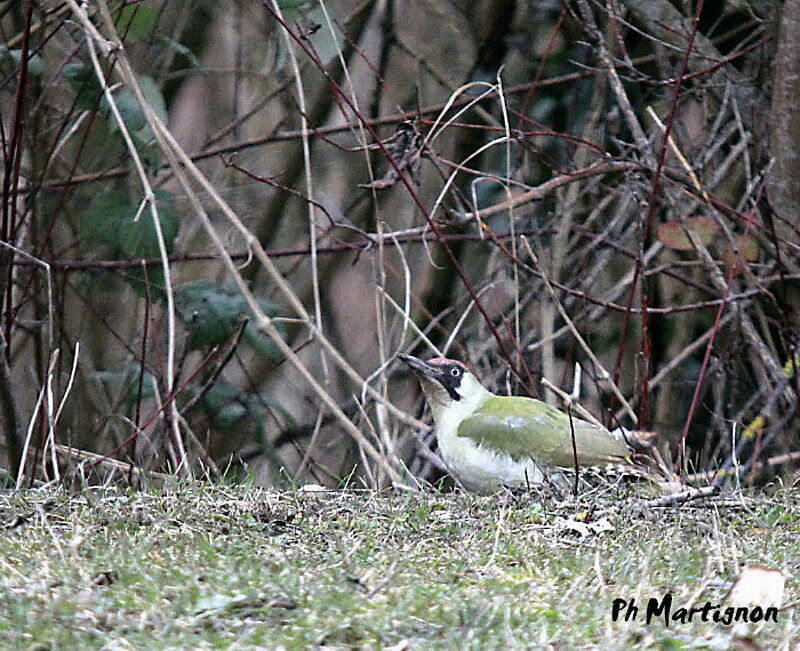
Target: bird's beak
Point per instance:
(419, 367)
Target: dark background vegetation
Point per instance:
(525, 186)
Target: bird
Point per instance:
(490, 442)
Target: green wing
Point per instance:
(530, 429)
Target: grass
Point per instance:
(207, 566)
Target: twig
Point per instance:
(304, 138)
(574, 450)
(716, 475)
(212, 379)
(29, 434)
(94, 459)
(679, 499)
(9, 411)
(652, 201)
(149, 200)
(581, 342)
(570, 402)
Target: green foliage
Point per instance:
(89, 96)
(326, 41)
(136, 22)
(212, 312)
(288, 5)
(226, 406)
(154, 98)
(230, 409)
(111, 220)
(181, 49)
(129, 379)
(84, 82)
(129, 109)
(36, 65)
(134, 118)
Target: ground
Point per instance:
(209, 566)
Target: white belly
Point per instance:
(483, 470)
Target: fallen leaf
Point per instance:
(216, 603)
(672, 234)
(402, 645)
(584, 529)
(312, 488)
(736, 263)
(758, 586)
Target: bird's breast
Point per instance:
(482, 469)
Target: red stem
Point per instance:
(12, 155)
(651, 211)
(680, 462)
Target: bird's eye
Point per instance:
(455, 371)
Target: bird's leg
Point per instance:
(558, 492)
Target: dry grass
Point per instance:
(216, 566)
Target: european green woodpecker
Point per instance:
(489, 442)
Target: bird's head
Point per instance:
(448, 385)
